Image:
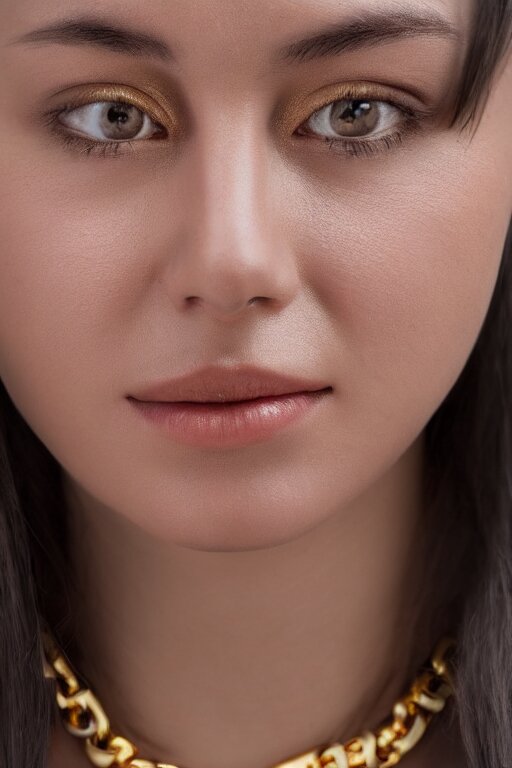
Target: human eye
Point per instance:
(106, 121)
(364, 122)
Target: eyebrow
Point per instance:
(100, 33)
(365, 29)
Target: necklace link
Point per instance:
(84, 717)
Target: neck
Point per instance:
(217, 659)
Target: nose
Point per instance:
(233, 252)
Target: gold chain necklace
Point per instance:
(84, 717)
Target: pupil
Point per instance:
(117, 115)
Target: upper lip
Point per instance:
(223, 384)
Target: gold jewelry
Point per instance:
(84, 717)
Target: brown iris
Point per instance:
(353, 117)
(121, 121)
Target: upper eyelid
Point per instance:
(82, 96)
(302, 108)
(67, 110)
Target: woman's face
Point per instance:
(376, 261)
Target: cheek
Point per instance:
(407, 275)
(61, 273)
(69, 246)
(408, 263)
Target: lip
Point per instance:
(216, 384)
(222, 408)
(227, 425)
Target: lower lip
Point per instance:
(216, 425)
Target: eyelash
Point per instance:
(373, 147)
(88, 147)
(412, 123)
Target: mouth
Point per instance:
(229, 407)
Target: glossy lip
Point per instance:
(217, 407)
(216, 384)
(228, 424)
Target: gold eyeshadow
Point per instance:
(300, 108)
(169, 113)
(151, 103)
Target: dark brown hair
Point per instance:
(468, 491)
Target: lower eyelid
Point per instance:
(412, 122)
(367, 148)
(371, 148)
(71, 137)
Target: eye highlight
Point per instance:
(359, 120)
(346, 125)
(355, 119)
(109, 119)
(108, 126)
(354, 116)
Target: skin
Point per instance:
(242, 606)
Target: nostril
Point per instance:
(194, 300)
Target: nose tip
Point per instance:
(230, 250)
